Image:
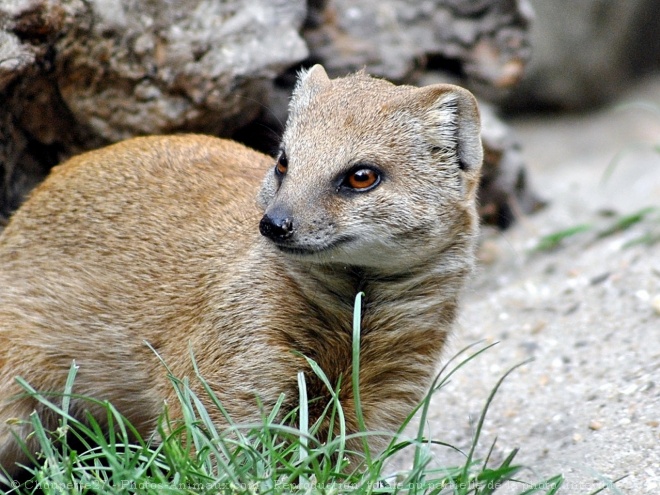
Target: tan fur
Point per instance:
(157, 239)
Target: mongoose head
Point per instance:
(371, 174)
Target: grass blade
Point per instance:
(357, 316)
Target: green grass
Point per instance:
(270, 457)
(649, 216)
(555, 239)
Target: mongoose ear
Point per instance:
(451, 117)
(310, 82)
(316, 76)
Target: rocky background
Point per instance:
(76, 75)
(587, 52)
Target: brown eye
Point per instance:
(282, 164)
(362, 178)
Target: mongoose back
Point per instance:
(180, 242)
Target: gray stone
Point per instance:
(149, 67)
(586, 51)
(77, 74)
(485, 42)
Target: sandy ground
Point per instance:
(587, 312)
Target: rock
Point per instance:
(586, 51)
(140, 67)
(484, 43)
(655, 304)
(27, 28)
(505, 192)
(77, 74)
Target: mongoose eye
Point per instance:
(282, 165)
(362, 179)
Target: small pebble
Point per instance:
(540, 325)
(630, 389)
(600, 278)
(655, 303)
(643, 295)
(595, 425)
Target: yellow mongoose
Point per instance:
(160, 239)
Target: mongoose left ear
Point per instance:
(451, 118)
(316, 76)
(310, 82)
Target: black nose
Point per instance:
(275, 226)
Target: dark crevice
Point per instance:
(440, 62)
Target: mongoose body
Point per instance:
(181, 242)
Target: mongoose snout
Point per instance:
(277, 225)
(158, 243)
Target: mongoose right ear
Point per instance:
(310, 82)
(452, 122)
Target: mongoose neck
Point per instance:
(333, 287)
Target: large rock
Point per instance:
(77, 74)
(127, 67)
(586, 51)
(484, 42)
